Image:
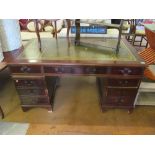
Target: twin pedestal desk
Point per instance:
(36, 73)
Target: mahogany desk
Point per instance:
(35, 73)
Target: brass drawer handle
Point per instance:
(124, 82)
(126, 71)
(58, 69)
(25, 69)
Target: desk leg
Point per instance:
(101, 98)
(130, 111)
(1, 111)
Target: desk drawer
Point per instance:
(121, 92)
(28, 100)
(120, 97)
(25, 69)
(123, 82)
(21, 83)
(32, 92)
(120, 101)
(126, 70)
(75, 69)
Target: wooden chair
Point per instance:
(148, 83)
(139, 33)
(130, 26)
(148, 54)
(135, 33)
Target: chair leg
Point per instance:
(147, 44)
(133, 40)
(141, 41)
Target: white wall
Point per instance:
(10, 34)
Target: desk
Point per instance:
(36, 73)
(3, 65)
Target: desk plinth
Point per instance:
(118, 77)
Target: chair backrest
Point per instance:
(151, 38)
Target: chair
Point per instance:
(148, 54)
(140, 33)
(136, 33)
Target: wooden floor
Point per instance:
(47, 129)
(76, 111)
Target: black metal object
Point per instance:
(117, 26)
(119, 37)
(37, 32)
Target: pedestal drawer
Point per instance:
(121, 97)
(32, 91)
(28, 100)
(126, 70)
(119, 101)
(121, 92)
(21, 83)
(123, 82)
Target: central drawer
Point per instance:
(75, 69)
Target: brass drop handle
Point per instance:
(58, 69)
(126, 71)
(125, 82)
(25, 69)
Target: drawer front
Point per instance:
(122, 92)
(27, 100)
(32, 91)
(75, 70)
(21, 83)
(120, 101)
(126, 70)
(25, 69)
(123, 82)
(59, 69)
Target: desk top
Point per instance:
(64, 51)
